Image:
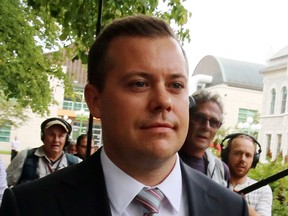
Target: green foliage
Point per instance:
(29, 27)
(5, 152)
(8, 110)
(78, 18)
(221, 133)
(25, 70)
(279, 187)
(219, 136)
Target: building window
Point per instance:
(82, 128)
(97, 134)
(243, 114)
(77, 103)
(279, 139)
(77, 106)
(79, 128)
(284, 99)
(273, 98)
(268, 149)
(5, 133)
(67, 105)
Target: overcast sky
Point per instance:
(247, 30)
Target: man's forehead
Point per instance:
(242, 143)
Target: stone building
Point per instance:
(238, 83)
(274, 116)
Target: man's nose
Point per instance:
(56, 138)
(206, 124)
(161, 100)
(243, 157)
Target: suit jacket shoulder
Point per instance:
(81, 190)
(208, 198)
(76, 190)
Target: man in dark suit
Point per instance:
(137, 86)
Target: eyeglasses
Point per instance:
(201, 119)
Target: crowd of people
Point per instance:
(239, 156)
(154, 144)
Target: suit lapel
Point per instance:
(84, 193)
(201, 201)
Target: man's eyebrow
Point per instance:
(135, 74)
(147, 74)
(178, 75)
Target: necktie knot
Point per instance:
(150, 199)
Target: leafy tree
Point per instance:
(279, 187)
(220, 135)
(28, 27)
(24, 69)
(76, 19)
(9, 109)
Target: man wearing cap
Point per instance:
(38, 162)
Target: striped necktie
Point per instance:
(150, 199)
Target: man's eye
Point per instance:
(237, 153)
(177, 85)
(139, 84)
(249, 155)
(214, 122)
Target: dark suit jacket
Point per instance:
(80, 190)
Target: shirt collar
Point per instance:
(172, 186)
(40, 151)
(119, 183)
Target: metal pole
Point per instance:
(264, 182)
(90, 126)
(99, 19)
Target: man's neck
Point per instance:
(195, 153)
(237, 181)
(54, 157)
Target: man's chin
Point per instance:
(202, 144)
(241, 174)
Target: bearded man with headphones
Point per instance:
(38, 162)
(241, 155)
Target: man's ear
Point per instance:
(92, 98)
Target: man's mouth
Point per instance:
(158, 125)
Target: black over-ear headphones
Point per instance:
(192, 102)
(225, 151)
(67, 125)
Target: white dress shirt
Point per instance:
(122, 189)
